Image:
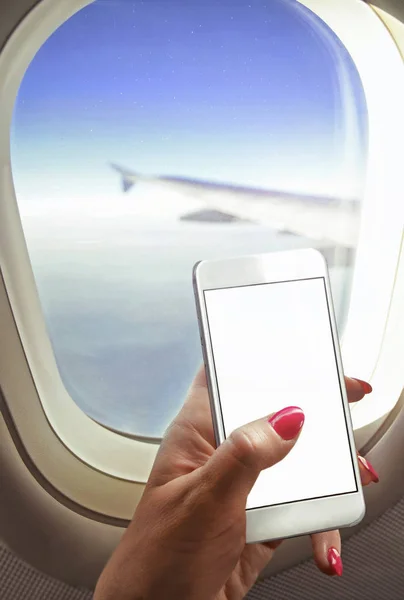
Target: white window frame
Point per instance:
(113, 468)
(375, 279)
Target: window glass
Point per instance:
(149, 135)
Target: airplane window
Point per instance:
(149, 135)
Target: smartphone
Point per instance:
(269, 340)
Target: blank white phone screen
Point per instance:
(273, 347)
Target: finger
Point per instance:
(327, 552)
(234, 467)
(253, 560)
(356, 389)
(195, 415)
(195, 412)
(367, 471)
(189, 440)
(272, 545)
(200, 378)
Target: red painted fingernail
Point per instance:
(335, 562)
(367, 388)
(370, 469)
(287, 422)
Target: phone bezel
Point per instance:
(304, 516)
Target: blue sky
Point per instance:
(244, 91)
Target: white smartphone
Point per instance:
(269, 340)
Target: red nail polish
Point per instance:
(287, 422)
(370, 469)
(367, 388)
(335, 562)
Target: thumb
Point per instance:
(235, 465)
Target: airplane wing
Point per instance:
(333, 221)
(324, 219)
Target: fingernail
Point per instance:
(369, 468)
(367, 388)
(287, 422)
(335, 562)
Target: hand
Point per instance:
(187, 538)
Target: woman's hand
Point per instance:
(187, 538)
